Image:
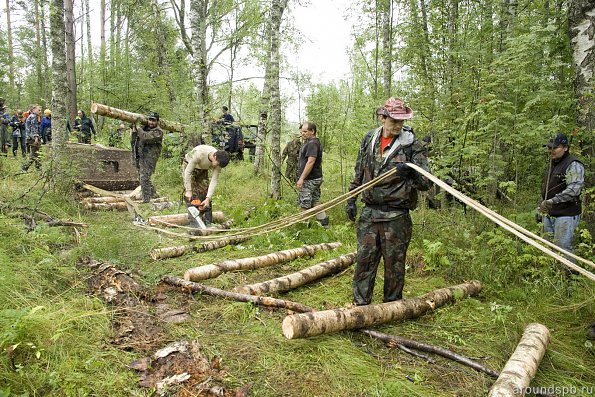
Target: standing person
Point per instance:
(146, 148)
(45, 128)
(195, 172)
(84, 126)
(18, 133)
(4, 122)
(384, 228)
(33, 138)
(563, 181)
(226, 117)
(310, 171)
(291, 151)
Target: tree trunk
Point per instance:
(71, 102)
(198, 24)
(90, 75)
(47, 92)
(38, 52)
(265, 103)
(257, 300)
(216, 269)
(59, 84)
(522, 365)
(300, 278)
(277, 9)
(581, 21)
(10, 47)
(387, 45)
(173, 252)
(327, 321)
(129, 117)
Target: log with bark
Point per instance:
(257, 300)
(130, 117)
(300, 278)
(522, 365)
(110, 199)
(327, 321)
(173, 252)
(214, 270)
(181, 219)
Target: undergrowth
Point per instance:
(55, 338)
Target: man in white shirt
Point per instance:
(195, 171)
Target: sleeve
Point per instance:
(419, 157)
(91, 125)
(359, 173)
(192, 159)
(313, 150)
(151, 136)
(575, 178)
(213, 183)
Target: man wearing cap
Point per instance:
(560, 192)
(146, 148)
(384, 228)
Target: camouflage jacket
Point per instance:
(32, 126)
(397, 193)
(146, 141)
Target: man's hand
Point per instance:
(206, 203)
(545, 206)
(351, 210)
(300, 184)
(404, 170)
(188, 195)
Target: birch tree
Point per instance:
(59, 84)
(70, 72)
(10, 47)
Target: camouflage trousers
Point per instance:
(375, 239)
(146, 168)
(309, 194)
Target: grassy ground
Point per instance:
(62, 334)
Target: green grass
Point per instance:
(63, 334)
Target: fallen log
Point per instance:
(59, 222)
(110, 199)
(300, 278)
(216, 269)
(327, 321)
(123, 115)
(398, 340)
(181, 219)
(257, 300)
(173, 252)
(117, 205)
(522, 365)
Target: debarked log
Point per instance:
(522, 365)
(216, 269)
(109, 199)
(181, 219)
(173, 252)
(257, 300)
(327, 321)
(300, 278)
(130, 117)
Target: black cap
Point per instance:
(153, 115)
(559, 139)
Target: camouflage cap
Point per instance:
(395, 109)
(153, 115)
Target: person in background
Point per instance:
(4, 122)
(84, 126)
(291, 151)
(195, 172)
(310, 172)
(33, 138)
(18, 133)
(226, 117)
(384, 228)
(146, 148)
(45, 128)
(115, 137)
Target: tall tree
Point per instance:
(277, 9)
(71, 102)
(387, 45)
(10, 47)
(47, 94)
(59, 83)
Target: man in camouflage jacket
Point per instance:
(146, 148)
(384, 228)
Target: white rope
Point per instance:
(512, 227)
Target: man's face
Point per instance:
(152, 122)
(37, 110)
(305, 132)
(79, 113)
(392, 126)
(557, 152)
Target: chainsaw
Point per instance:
(194, 211)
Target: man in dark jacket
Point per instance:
(18, 133)
(384, 228)
(4, 122)
(146, 149)
(84, 126)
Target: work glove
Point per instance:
(545, 206)
(351, 209)
(404, 171)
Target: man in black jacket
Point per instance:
(146, 148)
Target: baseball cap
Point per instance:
(153, 115)
(559, 139)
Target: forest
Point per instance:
(102, 294)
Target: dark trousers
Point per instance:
(386, 239)
(15, 145)
(199, 181)
(33, 145)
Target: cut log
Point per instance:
(109, 199)
(117, 205)
(327, 321)
(216, 269)
(257, 300)
(172, 252)
(123, 115)
(522, 365)
(399, 340)
(182, 219)
(300, 278)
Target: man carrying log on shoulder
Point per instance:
(195, 171)
(146, 148)
(385, 227)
